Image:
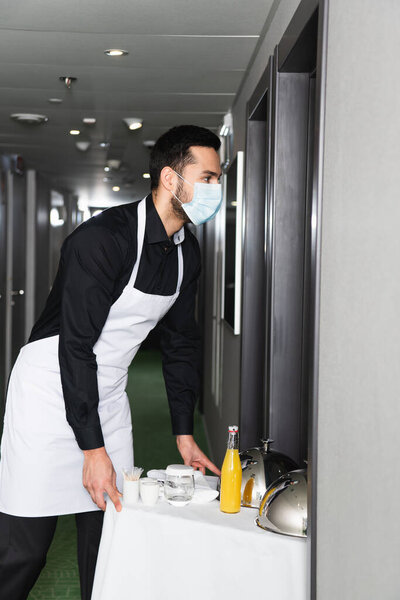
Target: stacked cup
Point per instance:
(149, 491)
(133, 486)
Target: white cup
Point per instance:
(149, 491)
(130, 492)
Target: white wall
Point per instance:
(358, 548)
(358, 527)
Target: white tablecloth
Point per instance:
(195, 552)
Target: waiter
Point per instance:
(67, 427)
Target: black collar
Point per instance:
(155, 231)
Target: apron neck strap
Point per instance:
(140, 238)
(180, 269)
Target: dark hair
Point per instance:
(172, 149)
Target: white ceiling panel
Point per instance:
(138, 16)
(186, 61)
(141, 80)
(58, 124)
(23, 100)
(147, 51)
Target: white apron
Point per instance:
(41, 463)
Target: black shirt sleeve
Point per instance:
(91, 261)
(180, 347)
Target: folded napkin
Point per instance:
(204, 487)
(203, 492)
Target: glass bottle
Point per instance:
(231, 474)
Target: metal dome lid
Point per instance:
(283, 508)
(261, 466)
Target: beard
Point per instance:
(176, 205)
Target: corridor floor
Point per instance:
(155, 447)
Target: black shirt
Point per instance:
(95, 265)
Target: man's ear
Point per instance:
(167, 178)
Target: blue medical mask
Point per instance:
(206, 201)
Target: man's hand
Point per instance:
(99, 477)
(193, 456)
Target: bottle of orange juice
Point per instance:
(231, 474)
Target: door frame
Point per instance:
(289, 39)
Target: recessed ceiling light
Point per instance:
(133, 122)
(55, 100)
(104, 145)
(115, 52)
(74, 132)
(106, 169)
(89, 120)
(146, 175)
(116, 188)
(29, 118)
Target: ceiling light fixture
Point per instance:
(55, 100)
(104, 145)
(146, 175)
(114, 164)
(106, 169)
(224, 131)
(83, 146)
(74, 132)
(149, 143)
(89, 120)
(115, 52)
(29, 118)
(68, 80)
(133, 123)
(116, 188)
(227, 125)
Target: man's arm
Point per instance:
(91, 261)
(180, 347)
(181, 358)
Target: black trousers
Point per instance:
(24, 542)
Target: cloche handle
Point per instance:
(266, 443)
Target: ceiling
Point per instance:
(185, 63)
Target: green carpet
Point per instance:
(154, 446)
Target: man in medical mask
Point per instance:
(67, 429)
(186, 190)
